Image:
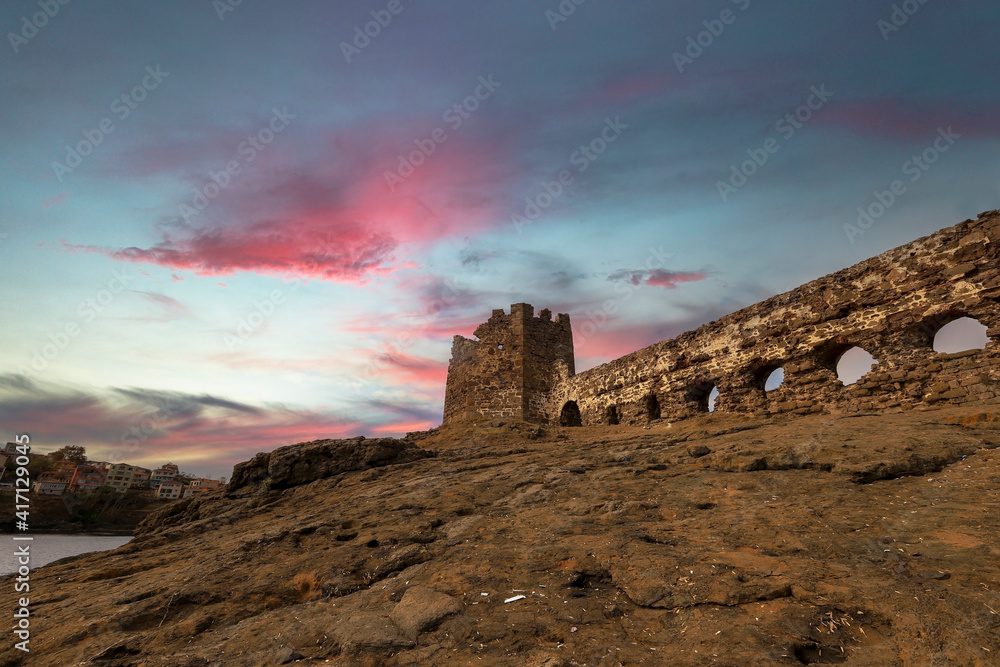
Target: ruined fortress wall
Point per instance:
(891, 305)
(511, 370)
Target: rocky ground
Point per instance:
(862, 540)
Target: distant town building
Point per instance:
(170, 490)
(66, 467)
(49, 487)
(141, 477)
(165, 473)
(120, 476)
(87, 478)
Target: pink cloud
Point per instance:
(670, 279)
(631, 88)
(405, 369)
(335, 215)
(656, 277)
(897, 119)
(388, 328)
(55, 201)
(595, 345)
(406, 427)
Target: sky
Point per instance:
(229, 226)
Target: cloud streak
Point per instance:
(656, 277)
(147, 427)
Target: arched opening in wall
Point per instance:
(703, 395)
(961, 335)
(854, 364)
(570, 415)
(652, 405)
(774, 379)
(611, 415)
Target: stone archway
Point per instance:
(570, 415)
(652, 406)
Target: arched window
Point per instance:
(703, 395)
(854, 364)
(961, 335)
(774, 379)
(712, 398)
(570, 415)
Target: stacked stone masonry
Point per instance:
(891, 305)
(512, 370)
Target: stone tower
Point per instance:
(510, 370)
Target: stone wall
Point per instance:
(891, 305)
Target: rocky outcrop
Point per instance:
(281, 469)
(309, 461)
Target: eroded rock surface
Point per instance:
(868, 540)
(306, 462)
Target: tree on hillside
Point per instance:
(73, 453)
(184, 477)
(37, 465)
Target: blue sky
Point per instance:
(247, 258)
